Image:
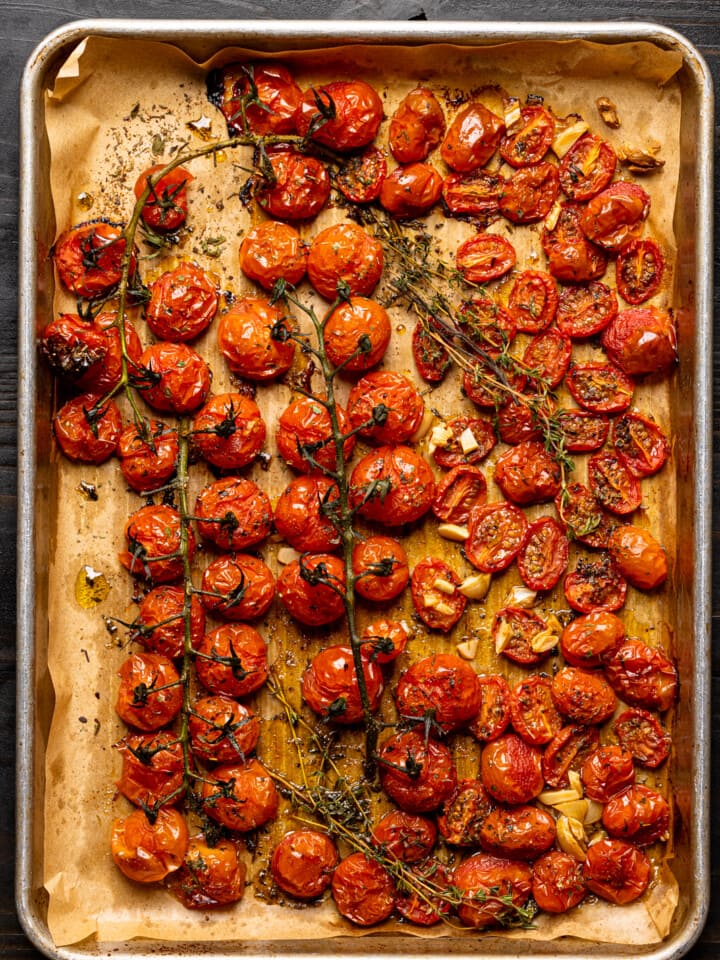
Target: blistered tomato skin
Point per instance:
(330, 685)
(233, 513)
(229, 431)
(173, 378)
(147, 462)
(152, 768)
(383, 641)
(590, 640)
(300, 190)
(153, 537)
(639, 814)
(607, 771)
(275, 88)
(527, 144)
(211, 876)
(417, 126)
(473, 137)
(147, 852)
(558, 882)
(89, 258)
(87, 353)
(166, 206)
(240, 796)
(232, 660)
(312, 589)
(529, 194)
(487, 883)
(380, 565)
(616, 871)
(615, 216)
(358, 112)
(521, 832)
(238, 586)
(442, 686)
(160, 626)
(643, 676)
(344, 254)
(583, 696)
(416, 771)
(302, 514)
(150, 693)
(639, 557)
(511, 769)
(642, 340)
(304, 436)
(363, 890)
(393, 394)
(303, 863)
(411, 191)
(408, 837)
(222, 730)
(357, 334)
(247, 339)
(392, 486)
(572, 258)
(527, 473)
(86, 433)
(273, 251)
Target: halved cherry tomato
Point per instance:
(438, 609)
(411, 190)
(486, 324)
(473, 137)
(89, 258)
(587, 167)
(520, 419)
(271, 98)
(595, 585)
(583, 517)
(497, 532)
(222, 730)
(615, 216)
(590, 640)
(600, 387)
(544, 556)
(639, 557)
(568, 750)
(152, 769)
(463, 814)
(607, 771)
(150, 693)
(300, 187)
(529, 144)
(558, 882)
(211, 876)
(511, 769)
(312, 588)
(640, 732)
(148, 458)
(330, 685)
(380, 566)
(304, 436)
(363, 891)
(87, 432)
(585, 310)
(458, 493)
(147, 852)
(303, 514)
(392, 486)
(233, 513)
(616, 871)
(521, 832)
(344, 253)
(232, 660)
(532, 711)
(361, 177)
(153, 538)
(475, 196)
(229, 431)
(349, 118)
(166, 206)
(533, 301)
(640, 444)
(240, 796)
(417, 126)
(572, 258)
(389, 404)
(528, 195)
(642, 340)
(491, 887)
(639, 814)
(638, 270)
(408, 837)
(643, 676)
(441, 687)
(417, 771)
(493, 716)
(422, 908)
(160, 624)
(547, 357)
(238, 586)
(450, 453)
(273, 251)
(487, 387)
(583, 430)
(486, 256)
(87, 353)
(357, 334)
(303, 863)
(613, 485)
(432, 360)
(527, 473)
(582, 696)
(172, 377)
(383, 641)
(252, 336)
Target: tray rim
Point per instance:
(322, 34)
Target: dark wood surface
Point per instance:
(22, 26)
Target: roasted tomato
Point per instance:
(530, 138)
(511, 769)
(520, 418)
(533, 301)
(514, 632)
(582, 696)
(595, 585)
(381, 569)
(432, 361)
(558, 882)
(273, 251)
(210, 876)
(389, 404)
(583, 517)
(361, 177)
(497, 532)
(260, 97)
(392, 486)
(233, 513)
(527, 473)
(89, 258)
(330, 685)
(492, 889)
(160, 623)
(343, 115)
(639, 814)
(640, 444)
(614, 487)
(583, 431)
(150, 693)
(587, 167)
(521, 832)
(474, 196)
(615, 216)
(528, 195)
(485, 256)
(638, 270)
(544, 556)
(240, 796)
(153, 537)
(237, 586)
(547, 357)
(639, 557)
(572, 258)
(222, 730)
(363, 890)
(585, 310)
(232, 660)
(253, 336)
(299, 190)
(607, 772)
(229, 431)
(407, 837)
(642, 340)
(458, 493)
(439, 607)
(147, 852)
(303, 862)
(148, 457)
(480, 384)
(600, 387)
(384, 640)
(493, 717)
(304, 436)
(357, 334)
(417, 771)
(442, 687)
(87, 353)
(417, 126)
(152, 769)
(88, 430)
(462, 441)
(568, 750)
(344, 254)
(463, 814)
(640, 732)
(532, 710)
(643, 676)
(312, 589)
(486, 324)
(166, 206)
(421, 907)
(616, 871)
(410, 191)
(473, 137)
(303, 514)
(172, 377)
(591, 640)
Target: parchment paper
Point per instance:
(113, 101)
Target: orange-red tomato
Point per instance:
(486, 884)
(417, 771)
(152, 769)
(528, 195)
(587, 167)
(148, 458)
(432, 361)
(558, 882)
(422, 907)
(384, 640)
(583, 517)
(527, 473)
(356, 117)
(583, 431)
(640, 732)
(473, 137)
(233, 513)
(606, 772)
(89, 258)
(86, 432)
(304, 436)
(533, 712)
(544, 556)
(238, 586)
(530, 140)
(441, 687)
(568, 750)
(273, 251)
(357, 334)
(166, 206)
(330, 685)
(640, 444)
(392, 486)
(232, 660)
(511, 769)
(363, 890)
(485, 322)
(381, 567)
(272, 85)
(639, 814)
(361, 177)
(439, 609)
(344, 254)
(160, 625)
(240, 796)
(643, 676)
(300, 188)
(173, 377)
(211, 876)
(493, 716)
(600, 387)
(638, 556)
(450, 453)
(548, 357)
(615, 216)
(411, 190)
(313, 589)
(533, 301)
(463, 814)
(642, 340)
(182, 303)
(638, 270)
(514, 630)
(458, 493)
(613, 484)
(616, 871)
(497, 533)
(520, 418)
(572, 258)
(582, 696)
(303, 863)
(485, 256)
(87, 353)
(252, 336)
(477, 195)
(522, 832)
(417, 126)
(595, 585)
(222, 730)
(153, 537)
(150, 693)
(408, 837)
(388, 397)
(147, 852)
(586, 309)
(303, 514)
(590, 640)
(229, 431)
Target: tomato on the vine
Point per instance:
(253, 336)
(344, 254)
(442, 687)
(153, 535)
(300, 187)
(304, 512)
(417, 771)
(160, 623)
(344, 114)
(357, 334)
(241, 796)
(233, 513)
(380, 566)
(305, 435)
(148, 454)
(270, 94)
(387, 406)
(210, 876)
(312, 589)
(273, 251)
(87, 353)
(147, 852)
(392, 486)
(330, 685)
(383, 641)
(231, 660)
(166, 206)
(222, 730)
(88, 431)
(89, 258)
(152, 769)
(150, 693)
(172, 377)
(238, 586)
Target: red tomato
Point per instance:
(86, 432)
(529, 194)
(511, 769)
(330, 685)
(87, 353)
(582, 696)
(237, 586)
(153, 537)
(530, 139)
(571, 256)
(595, 585)
(273, 251)
(486, 324)
(643, 676)
(229, 431)
(313, 589)
(210, 876)
(148, 458)
(521, 418)
(363, 891)
(411, 190)
(639, 732)
(615, 216)
(583, 431)
(432, 361)
(583, 517)
(640, 444)
(543, 559)
(407, 837)
(172, 377)
(160, 623)
(590, 640)
(361, 177)
(600, 387)
(585, 310)
(473, 137)
(422, 907)
(533, 712)
(639, 557)
(491, 887)
(558, 882)
(166, 206)
(147, 852)
(417, 126)
(616, 871)
(547, 357)
(240, 796)
(527, 473)
(642, 340)
(152, 769)
(416, 771)
(392, 486)
(487, 388)
(442, 687)
(439, 609)
(300, 187)
(587, 167)
(384, 640)
(150, 693)
(493, 716)
(381, 567)
(232, 660)
(497, 532)
(485, 256)
(533, 301)
(522, 832)
(638, 270)
(356, 114)
(613, 485)
(89, 258)
(303, 514)
(568, 750)
(463, 814)
(222, 730)
(344, 254)
(233, 513)
(304, 436)
(458, 493)
(303, 863)
(357, 334)
(474, 196)
(607, 772)
(253, 338)
(391, 398)
(273, 88)
(639, 814)
(450, 454)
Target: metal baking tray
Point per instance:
(691, 428)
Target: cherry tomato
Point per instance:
(572, 258)
(241, 796)
(582, 696)
(344, 253)
(558, 882)
(532, 711)
(148, 458)
(533, 301)
(638, 270)
(491, 887)
(458, 493)
(493, 717)
(439, 609)
(464, 813)
(303, 863)
(303, 514)
(150, 693)
(152, 769)
(639, 732)
(392, 486)
(381, 567)
(600, 387)
(237, 586)
(361, 177)
(528, 195)
(485, 322)
(639, 557)
(497, 532)
(527, 473)
(273, 251)
(615, 216)
(330, 685)
(363, 890)
(86, 432)
(547, 357)
(233, 513)
(568, 750)
(417, 126)
(613, 485)
(643, 676)
(583, 431)
(521, 417)
(232, 660)
(475, 196)
(441, 686)
(529, 140)
(522, 832)
(486, 389)
(587, 167)
(87, 353)
(640, 444)
(544, 556)
(450, 453)
(160, 624)
(89, 258)
(357, 334)
(305, 438)
(153, 537)
(229, 431)
(147, 852)
(275, 91)
(252, 336)
(511, 769)
(357, 112)
(642, 340)
(585, 310)
(591, 640)
(583, 517)
(595, 585)
(420, 907)
(411, 190)
(211, 876)
(388, 397)
(485, 256)
(300, 187)
(606, 772)
(312, 589)
(407, 837)
(417, 771)
(222, 730)
(172, 377)
(384, 640)
(432, 361)
(473, 137)
(166, 206)
(639, 814)
(616, 871)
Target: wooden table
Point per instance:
(22, 26)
